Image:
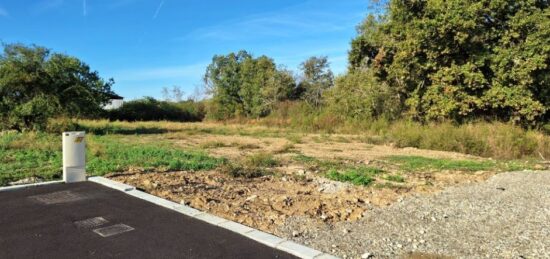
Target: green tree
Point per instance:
(36, 85)
(461, 59)
(316, 78)
(357, 95)
(242, 85)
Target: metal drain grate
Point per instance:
(91, 222)
(57, 197)
(113, 230)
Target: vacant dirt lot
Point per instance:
(293, 197)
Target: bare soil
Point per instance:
(320, 146)
(294, 191)
(266, 202)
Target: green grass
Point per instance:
(304, 158)
(115, 156)
(358, 176)
(416, 163)
(39, 155)
(29, 155)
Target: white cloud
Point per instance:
(294, 21)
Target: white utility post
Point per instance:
(74, 156)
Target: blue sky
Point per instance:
(148, 44)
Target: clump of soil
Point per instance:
(264, 202)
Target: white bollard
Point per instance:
(74, 156)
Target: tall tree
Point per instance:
(242, 85)
(461, 59)
(36, 84)
(316, 78)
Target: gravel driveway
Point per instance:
(508, 216)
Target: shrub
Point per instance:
(149, 109)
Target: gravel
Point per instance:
(508, 216)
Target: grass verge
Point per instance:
(24, 155)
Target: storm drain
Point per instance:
(57, 197)
(90, 223)
(113, 230)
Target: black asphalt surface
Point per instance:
(34, 224)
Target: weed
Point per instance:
(357, 176)
(294, 138)
(395, 178)
(261, 160)
(304, 158)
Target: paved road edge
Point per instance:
(254, 234)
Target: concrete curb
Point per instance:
(111, 184)
(254, 234)
(16, 187)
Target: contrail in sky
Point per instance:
(158, 10)
(84, 12)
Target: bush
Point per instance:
(498, 140)
(359, 96)
(149, 109)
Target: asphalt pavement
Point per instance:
(87, 220)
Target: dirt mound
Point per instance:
(264, 202)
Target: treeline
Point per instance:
(244, 86)
(421, 61)
(429, 61)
